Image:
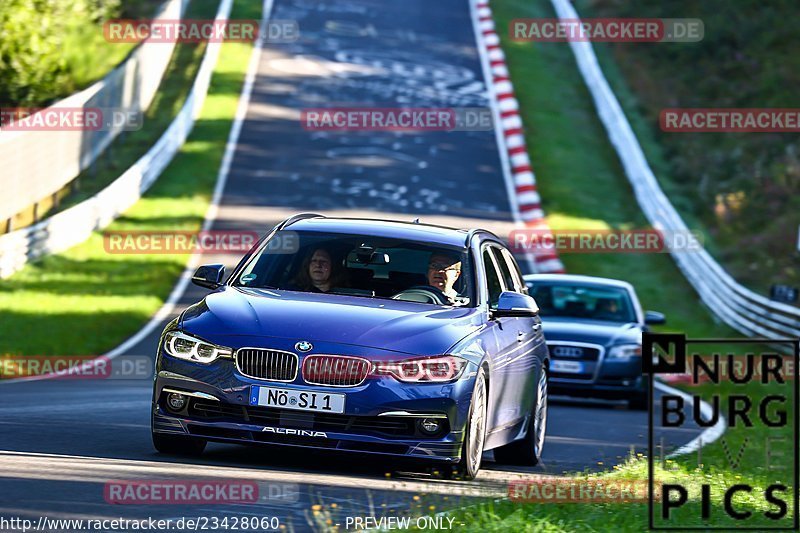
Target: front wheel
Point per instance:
(528, 450)
(178, 444)
(475, 434)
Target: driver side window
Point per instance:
(492, 279)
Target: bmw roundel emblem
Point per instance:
(303, 346)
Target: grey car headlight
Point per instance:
(183, 346)
(624, 352)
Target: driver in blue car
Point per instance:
(443, 272)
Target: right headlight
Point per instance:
(624, 352)
(183, 346)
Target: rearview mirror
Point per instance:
(654, 318)
(514, 304)
(366, 255)
(209, 276)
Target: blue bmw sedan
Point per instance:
(403, 339)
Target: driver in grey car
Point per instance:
(443, 272)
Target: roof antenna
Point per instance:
(416, 221)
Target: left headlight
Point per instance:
(183, 346)
(624, 351)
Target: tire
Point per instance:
(178, 444)
(528, 450)
(474, 434)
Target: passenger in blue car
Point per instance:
(319, 272)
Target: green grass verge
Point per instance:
(85, 301)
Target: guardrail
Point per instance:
(739, 307)
(74, 225)
(40, 163)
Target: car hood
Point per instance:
(406, 327)
(591, 331)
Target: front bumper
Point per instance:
(380, 415)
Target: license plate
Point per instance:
(324, 402)
(567, 367)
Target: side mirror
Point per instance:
(514, 304)
(654, 318)
(209, 276)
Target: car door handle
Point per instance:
(537, 328)
(520, 336)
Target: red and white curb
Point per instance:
(520, 168)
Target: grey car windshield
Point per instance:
(361, 265)
(595, 302)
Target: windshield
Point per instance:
(596, 302)
(362, 265)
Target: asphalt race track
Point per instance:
(62, 441)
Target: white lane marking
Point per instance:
(708, 435)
